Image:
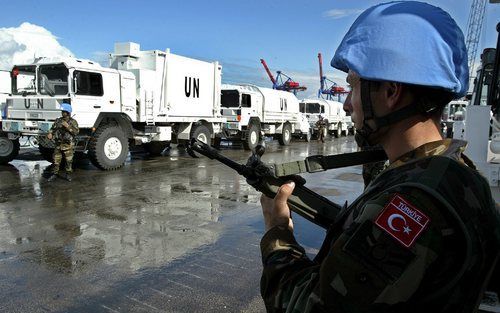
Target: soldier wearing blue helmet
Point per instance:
(63, 132)
(425, 233)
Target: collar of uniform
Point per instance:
(451, 148)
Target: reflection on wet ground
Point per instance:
(171, 234)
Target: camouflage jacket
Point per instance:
(410, 243)
(321, 123)
(63, 135)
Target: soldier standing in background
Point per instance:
(321, 124)
(63, 131)
(425, 234)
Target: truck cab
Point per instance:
(453, 118)
(253, 112)
(337, 121)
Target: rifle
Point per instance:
(303, 201)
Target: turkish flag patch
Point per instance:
(402, 221)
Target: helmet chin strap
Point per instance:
(416, 108)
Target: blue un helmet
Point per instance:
(408, 42)
(66, 107)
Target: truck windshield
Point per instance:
(313, 108)
(53, 79)
(230, 99)
(23, 80)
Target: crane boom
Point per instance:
(321, 79)
(474, 26)
(328, 87)
(282, 81)
(273, 80)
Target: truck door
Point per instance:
(94, 93)
(247, 108)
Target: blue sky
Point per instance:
(287, 34)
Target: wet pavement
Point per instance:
(163, 234)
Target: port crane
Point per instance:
(328, 87)
(282, 81)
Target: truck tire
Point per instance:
(108, 148)
(155, 148)
(338, 132)
(9, 149)
(253, 137)
(286, 135)
(343, 132)
(202, 133)
(308, 136)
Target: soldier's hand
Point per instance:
(65, 124)
(276, 211)
(49, 136)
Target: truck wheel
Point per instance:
(338, 132)
(9, 149)
(108, 148)
(286, 135)
(202, 133)
(253, 137)
(155, 148)
(47, 153)
(343, 130)
(308, 135)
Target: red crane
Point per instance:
(330, 91)
(282, 81)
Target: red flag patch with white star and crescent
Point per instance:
(402, 221)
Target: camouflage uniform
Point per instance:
(370, 170)
(65, 142)
(321, 124)
(368, 264)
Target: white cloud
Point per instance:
(22, 44)
(338, 13)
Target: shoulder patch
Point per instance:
(402, 221)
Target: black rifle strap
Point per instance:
(318, 163)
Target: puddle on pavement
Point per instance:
(350, 177)
(110, 216)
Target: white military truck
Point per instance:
(144, 97)
(7, 147)
(453, 118)
(338, 122)
(252, 112)
(5, 89)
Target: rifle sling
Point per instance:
(318, 163)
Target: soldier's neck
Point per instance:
(408, 135)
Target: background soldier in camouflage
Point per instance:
(63, 131)
(425, 233)
(321, 124)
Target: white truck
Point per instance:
(338, 122)
(453, 118)
(144, 97)
(6, 146)
(253, 112)
(5, 90)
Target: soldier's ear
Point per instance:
(393, 94)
